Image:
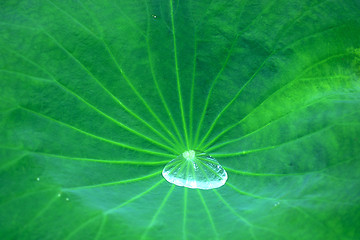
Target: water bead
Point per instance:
(195, 169)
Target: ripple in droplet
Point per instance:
(194, 169)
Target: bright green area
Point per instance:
(97, 96)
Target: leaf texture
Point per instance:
(96, 97)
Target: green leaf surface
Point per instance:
(96, 97)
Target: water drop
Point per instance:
(37, 179)
(67, 199)
(194, 169)
(59, 195)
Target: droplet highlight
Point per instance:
(195, 169)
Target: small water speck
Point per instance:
(37, 179)
(67, 199)
(59, 195)
(154, 16)
(276, 204)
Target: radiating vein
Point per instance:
(153, 219)
(155, 79)
(155, 142)
(101, 227)
(73, 19)
(130, 20)
(40, 79)
(240, 172)
(138, 94)
(336, 178)
(191, 141)
(287, 174)
(249, 224)
(96, 109)
(106, 213)
(247, 193)
(134, 89)
(244, 152)
(121, 162)
(136, 197)
(205, 12)
(267, 124)
(38, 214)
(219, 74)
(177, 74)
(238, 93)
(131, 180)
(96, 136)
(96, 21)
(9, 163)
(213, 124)
(104, 88)
(81, 226)
(202, 117)
(283, 143)
(315, 220)
(296, 19)
(208, 214)
(24, 195)
(273, 52)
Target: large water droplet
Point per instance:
(194, 169)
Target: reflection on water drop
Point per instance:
(37, 179)
(67, 199)
(194, 169)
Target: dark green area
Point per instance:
(97, 96)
